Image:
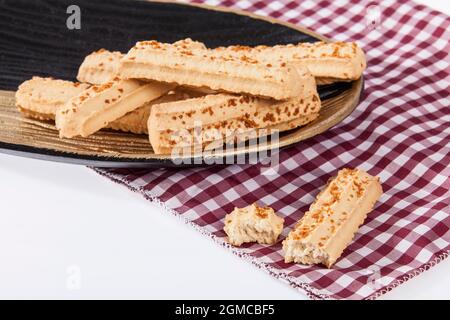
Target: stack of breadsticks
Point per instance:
(160, 89)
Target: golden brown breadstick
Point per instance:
(173, 125)
(102, 66)
(328, 227)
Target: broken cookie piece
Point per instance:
(253, 224)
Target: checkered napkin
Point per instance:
(400, 132)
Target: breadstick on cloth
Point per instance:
(329, 226)
(253, 224)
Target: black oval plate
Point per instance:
(35, 40)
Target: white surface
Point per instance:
(54, 217)
(59, 221)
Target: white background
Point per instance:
(66, 232)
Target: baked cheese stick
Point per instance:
(98, 106)
(211, 138)
(102, 66)
(328, 62)
(99, 67)
(198, 67)
(188, 43)
(329, 226)
(253, 224)
(39, 98)
(177, 124)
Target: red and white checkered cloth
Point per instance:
(400, 132)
